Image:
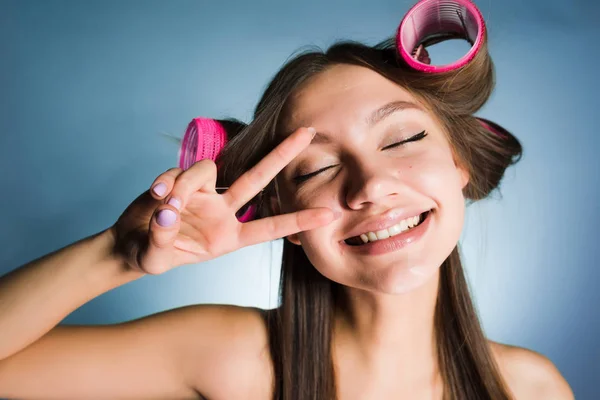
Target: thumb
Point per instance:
(157, 257)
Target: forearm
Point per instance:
(37, 296)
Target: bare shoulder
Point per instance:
(530, 375)
(233, 349)
(215, 352)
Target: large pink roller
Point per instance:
(433, 21)
(204, 139)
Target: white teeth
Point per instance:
(382, 234)
(394, 230)
(412, 221)
(400, 227)
(404, 225)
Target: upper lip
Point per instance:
(384, 220)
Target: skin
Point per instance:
(383, 341)
(391, 297)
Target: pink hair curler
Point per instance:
(205, 138)
(433, 21)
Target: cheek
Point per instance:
(316, 240)
(319, 244)
(443, 182)
(323, 254)
(310, 196)
(435, 175)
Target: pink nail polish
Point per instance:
(175, 203)
(160, 189)
(166, 218)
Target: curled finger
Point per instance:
(163, 229)
(164, 183)
(202, 176)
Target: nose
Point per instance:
(370, 184)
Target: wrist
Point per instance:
(110, 267)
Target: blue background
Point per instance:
(88, 89)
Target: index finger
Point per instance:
(259, 176)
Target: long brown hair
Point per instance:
(300, 330)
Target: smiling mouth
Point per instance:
(397, 229)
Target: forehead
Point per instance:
(345, 92)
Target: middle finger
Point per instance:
(259, 176)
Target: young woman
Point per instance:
(364, 166)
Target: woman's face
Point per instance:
(384, 162)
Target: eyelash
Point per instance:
(414, 138)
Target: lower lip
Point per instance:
(393, 243)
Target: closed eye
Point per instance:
(302, 178)
(414, 138)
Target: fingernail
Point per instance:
(166, 218)
(312, 131)
(175, 203)
(160, 189)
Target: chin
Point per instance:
(391, 280)
(403, 280)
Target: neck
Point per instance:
(391, 333)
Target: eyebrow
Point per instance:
(376, 116)
(389, 109)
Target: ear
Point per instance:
(463, 171)
(276, 210)
(464, 175)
